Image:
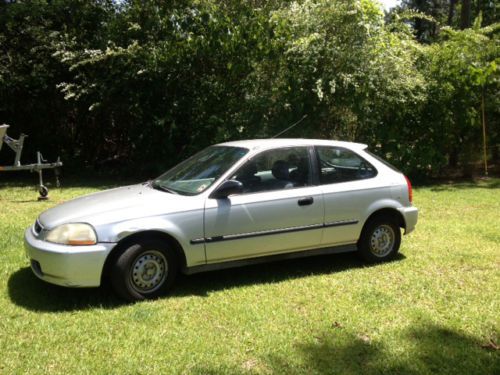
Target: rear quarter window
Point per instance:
(337, 164)
(383, 161)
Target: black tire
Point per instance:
(145, 270)
(379, 240)
(43, 191)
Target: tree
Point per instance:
(462, 71)
(451, 12)
(443, 12)
(465, 14)
(143, 84)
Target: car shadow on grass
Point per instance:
(429, 349)
(27, 291)
(203, 284)
(31, 293)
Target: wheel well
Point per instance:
(391, 212)
(134, 238)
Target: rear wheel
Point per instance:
(380, 239)
(145, 270)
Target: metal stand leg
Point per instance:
(17, 146)
(57, 172)
(42, 190)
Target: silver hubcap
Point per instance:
(382, 240)
(149, 271)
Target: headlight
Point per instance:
(72, 234)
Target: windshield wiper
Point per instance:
(157, 186)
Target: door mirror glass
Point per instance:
(226, 189)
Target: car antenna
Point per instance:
(291, 126)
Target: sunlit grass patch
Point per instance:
(432, 310)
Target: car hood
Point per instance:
(115, 205)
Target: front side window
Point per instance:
(278, 169)
(200, 171)
(341, 165)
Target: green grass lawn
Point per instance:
(435, 309)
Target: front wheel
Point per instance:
(145, 270)
(380, 240)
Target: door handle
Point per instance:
(305, 201)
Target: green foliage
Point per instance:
(144, 84)
(429, 16)
(459, 68)
(342, 67)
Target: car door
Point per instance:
(279, 210)
(347, 183)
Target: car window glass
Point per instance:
(200, 171)
(340, 165)
(383, 161)
(275, 170)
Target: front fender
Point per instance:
(181, 226)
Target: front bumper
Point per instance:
(72, 266)
(410, 214)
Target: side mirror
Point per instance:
(226, 189)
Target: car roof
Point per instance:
(261, 144)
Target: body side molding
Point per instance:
(229, 237)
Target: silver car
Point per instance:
(231, 204)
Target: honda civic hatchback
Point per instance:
(231, 204)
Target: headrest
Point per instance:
(248, 170)
(281, 170)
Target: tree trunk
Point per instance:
(451, 11)
(478, 8)
(419, 24)
(483, 118)
(465, 15)
(453, 157)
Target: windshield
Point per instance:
(199, 172)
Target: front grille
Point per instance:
(38, 228)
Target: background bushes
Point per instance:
(136, 86)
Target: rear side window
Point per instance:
(385, 162)
(337, 164)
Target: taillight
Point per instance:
(410, 190)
